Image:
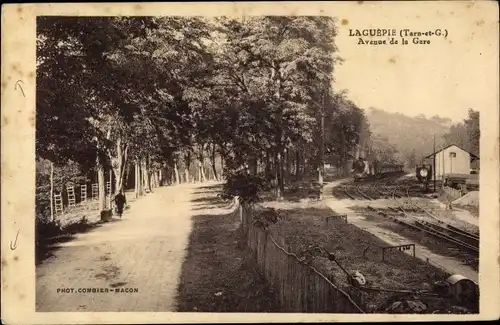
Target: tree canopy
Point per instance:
(166, 91)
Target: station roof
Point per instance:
(434, 153)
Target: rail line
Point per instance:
(447, 225)
(447, 232)
(358, 192)
(441, 230)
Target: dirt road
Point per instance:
(142, 253)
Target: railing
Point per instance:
(452, 193)
(300, 287)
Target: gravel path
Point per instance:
(143, 253)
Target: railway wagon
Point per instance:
(388, 168)
(363, 170)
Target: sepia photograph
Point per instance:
(259, 163)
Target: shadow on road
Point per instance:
(211, 187)
(217, 274)
(49, 237)
(209, 199)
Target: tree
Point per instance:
(473, 131)
(170, 93)
(116, 117)
(465, 134)
(346, 127)
(277, 72)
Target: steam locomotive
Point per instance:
(424, 173)
(364, 170)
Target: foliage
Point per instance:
(465, 134)
(243, 185)
(165, 91)
(269, 216)
(64, 175)
(346, 125)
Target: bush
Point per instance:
(245, 186)
(266, 217)
(47, 229)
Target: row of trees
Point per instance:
(161, 94)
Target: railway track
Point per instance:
(439, 229)
(356, 194)
(446, 227)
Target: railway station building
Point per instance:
(453, 160)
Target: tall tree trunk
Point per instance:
(154, 182)
(52, 192)
(147, 176)
(288, 165)
(221, 167)
(212, 160)
(278, 179)
(253, 166)
(268, 167)
(201, 160)
(176, 171)
(187, 164)
(137, 179)
(297, 163)
(102, 187)
(321, 162)
(140, 180)
(281, 166)
(201, 174)
(127, 176)
(119, 165)
(101, 180)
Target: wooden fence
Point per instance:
(453, 193)
(300, 287)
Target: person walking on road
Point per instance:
(120, 201)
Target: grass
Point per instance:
(81, 219)
(295, 191)
(434, 244)
(218, 275)
(303, 227)
(48, 235)
(216, 263)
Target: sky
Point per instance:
(446, 77)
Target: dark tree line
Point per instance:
(167, 97)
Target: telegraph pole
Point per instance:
(434, 162)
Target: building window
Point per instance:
(453, 154)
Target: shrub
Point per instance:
(245, 186)
(266, 217)
(47, 229)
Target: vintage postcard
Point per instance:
(250, 162)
